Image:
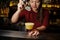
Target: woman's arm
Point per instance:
(15, 16)
(45, 20)
(37, 31)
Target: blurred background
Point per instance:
(8, 7)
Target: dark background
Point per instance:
(5, 23)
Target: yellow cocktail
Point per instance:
(29, 25)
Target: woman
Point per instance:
(32, 16)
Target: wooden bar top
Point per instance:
(21, 34)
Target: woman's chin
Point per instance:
(35, 8)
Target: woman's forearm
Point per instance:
(41, 28)
(15, 16)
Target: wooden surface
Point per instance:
(21, 34)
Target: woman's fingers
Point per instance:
(36, 33)
(20, 5)
(21, 2)
(30, 33)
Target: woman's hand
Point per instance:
(34, 33)
(20, 5)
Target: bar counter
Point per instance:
(14, 35)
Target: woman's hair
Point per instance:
(40, 12)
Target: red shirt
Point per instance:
(30, 16)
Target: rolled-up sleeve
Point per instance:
(46, 17)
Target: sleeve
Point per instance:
(46, 17)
